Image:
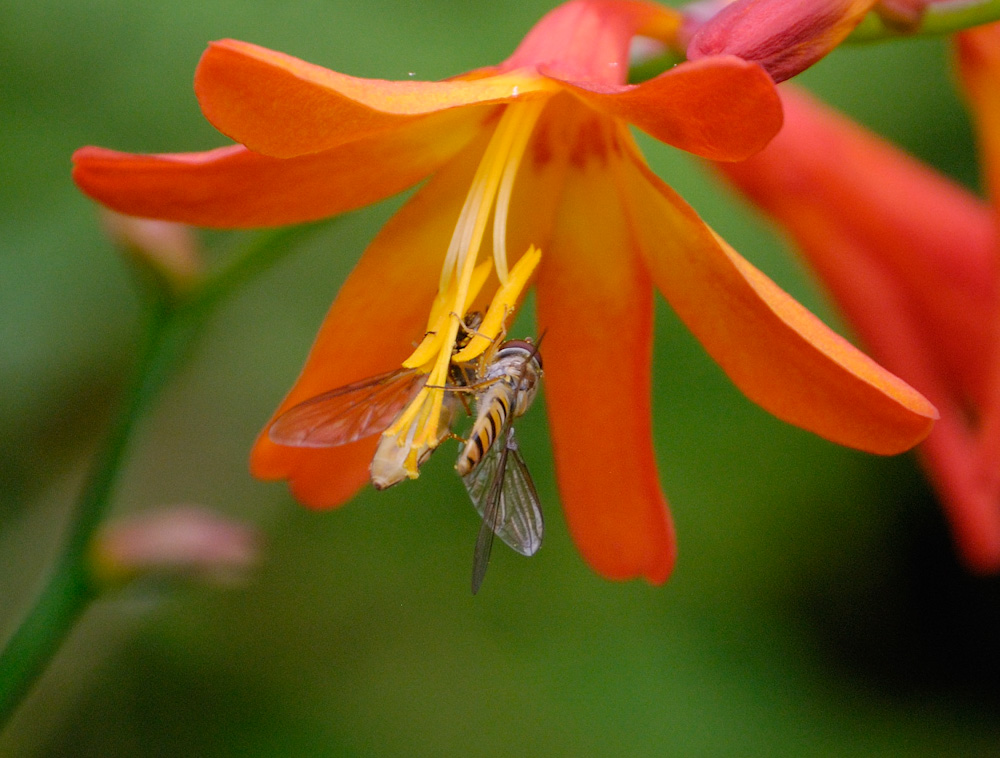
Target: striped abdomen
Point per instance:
(509, 386)
(493, 412)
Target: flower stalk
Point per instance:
(939, 19)
(170, 329)
(70, 589)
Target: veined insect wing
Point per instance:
(356, 410)
(490, 509)
(348, 413)
(504, 495)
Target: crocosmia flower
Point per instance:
(532, 176)
(910, 256)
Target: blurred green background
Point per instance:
(817, 607)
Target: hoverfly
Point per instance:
(491, 466)
(504, 384)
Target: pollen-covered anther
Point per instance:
(504, 303)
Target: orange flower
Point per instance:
(537, 150)
(910, 257)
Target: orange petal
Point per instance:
(783, 36)
(779, 354)
(978, 54)
(908, 256)
(590, 39)
(234, 187)
(721, 108)
(282, 106)
(896, 333)
(950, 456)
(845, 195)
(595, 306)
(378, 316)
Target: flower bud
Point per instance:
(904, 15)
(166, 250)
(179, 541)
(695, 15)
(784, 36)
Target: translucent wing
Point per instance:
(504, 495)
(348, 413)
(523, 526)
(490, 486)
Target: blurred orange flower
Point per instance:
(539, 148)
(911, 259)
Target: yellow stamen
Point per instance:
(504, 303)
(433, 341)
(438, 378)
(498, 167)
(418, 427)
(520, 143)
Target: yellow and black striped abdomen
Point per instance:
(492, 417)
(505, 390)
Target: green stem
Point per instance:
(69, 589)
(171, 329)
(939, 19)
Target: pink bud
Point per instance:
(168, 250)
(695, 15)
(904, 15)
(783, 36)
(182, 540)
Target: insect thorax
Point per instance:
(516, 368)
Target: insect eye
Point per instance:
(520, 348)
